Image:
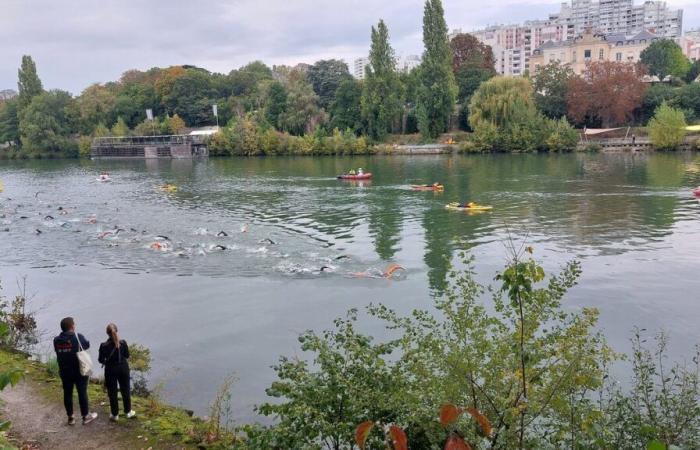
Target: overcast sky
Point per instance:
(79, 42)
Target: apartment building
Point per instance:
(513, 45)
(690, 43)
(590, 47)
(358, 67)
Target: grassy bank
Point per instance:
(158, 425)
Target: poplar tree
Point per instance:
(381, 95)
(28, 84)
(438, 90)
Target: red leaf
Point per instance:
(398, 438)
(361, 433)
(482, 420)
(448, 414)
(455, 442)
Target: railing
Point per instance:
(129, 141)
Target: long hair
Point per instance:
(113, 335)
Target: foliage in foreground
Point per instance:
(530, 373)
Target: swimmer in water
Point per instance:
(222, 234)
(244, 228)
(387, 273)
(268, 241)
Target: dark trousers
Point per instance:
(118, 375)
(81, 384)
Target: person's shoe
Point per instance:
(114, 418)
(89, 418)
(71, 420)
(131, 414)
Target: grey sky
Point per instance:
(78, 42)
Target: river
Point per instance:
(207, 311)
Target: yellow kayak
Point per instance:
(168, 188)
(2, 187)
(474, 207)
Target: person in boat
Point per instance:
(467, 205)
(351, 172)
(360, 171)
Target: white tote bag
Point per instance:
(84, 359)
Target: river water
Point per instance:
(209, 305)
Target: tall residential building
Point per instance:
(408, 63)
(513, 45)
(358, 67)
(620, 17)
(690, 43)
(7, 94)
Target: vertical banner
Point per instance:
(149, 114)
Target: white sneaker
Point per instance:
(89, 418)
(131, 414)
(114, 418)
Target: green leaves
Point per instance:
(10, 378)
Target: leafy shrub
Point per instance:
(667, 127)
(521, 360)
(140, 365)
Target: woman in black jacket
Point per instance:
(114, 356)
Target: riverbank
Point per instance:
(34, 408)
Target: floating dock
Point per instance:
(183, 146)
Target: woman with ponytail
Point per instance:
(114, 356)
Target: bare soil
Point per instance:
(39, 423)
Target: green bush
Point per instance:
(667, 127)
(520, 359)
(52, 367)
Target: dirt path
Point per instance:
(40, 424)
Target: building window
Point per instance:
(573, 56)
(587, 54)
(618, 57)
(601, 54)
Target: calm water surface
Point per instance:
(206, 312)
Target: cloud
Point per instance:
(78, 42)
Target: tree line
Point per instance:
(321, 108)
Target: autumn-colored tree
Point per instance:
(468, 51)
(607, 94)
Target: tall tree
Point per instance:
(345, 108)
(502, 102)
(9, 121)
(468, 51)
(28, 84)
(665, 57)
(95, 105)
(693, 72)
(438, 91)
(607, 94)
(325, 76)
(45, 125)
(551, 86)
(275, 103)
(302, 113)
(381, 95)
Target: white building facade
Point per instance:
(513, 44)
(358, 67)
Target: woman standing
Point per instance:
(114, 356)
